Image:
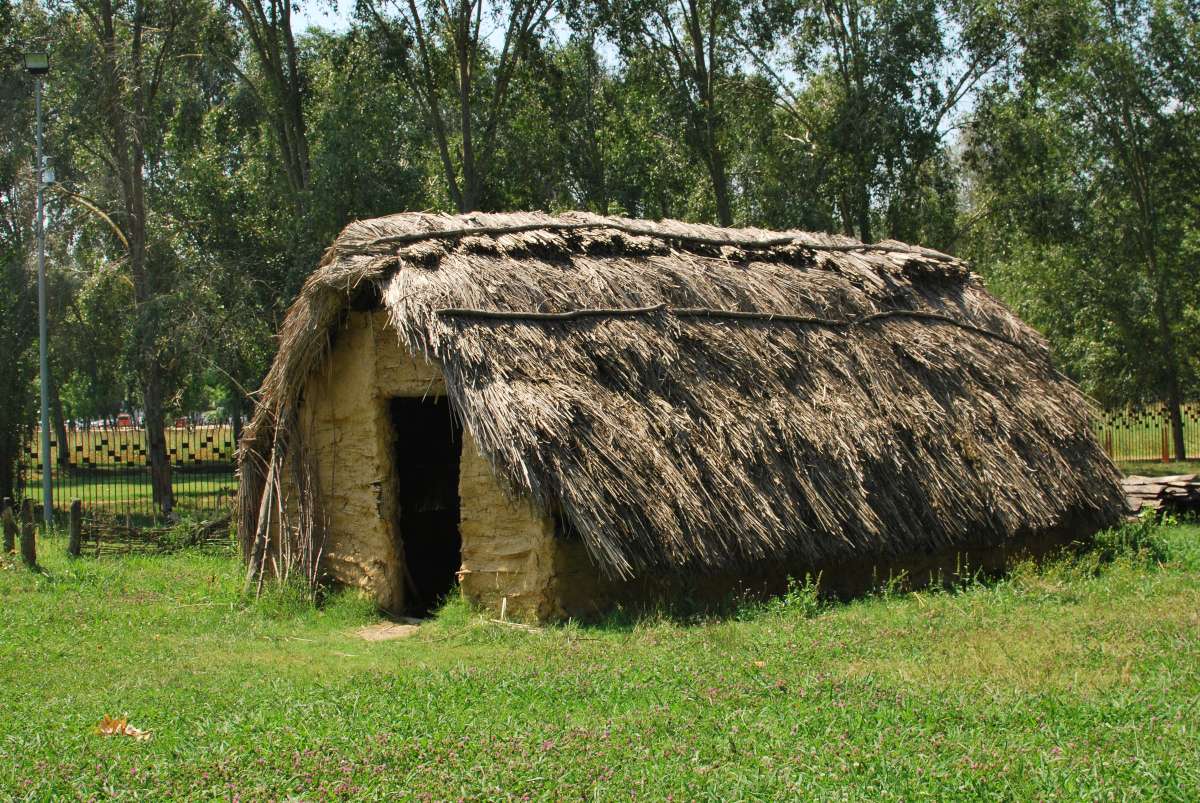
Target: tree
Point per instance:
(1085, 174)
(280, 92)
(134, 67)
(690, 47)
(872, 87)
(247, 247)
(441, 53)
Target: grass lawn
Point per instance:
(117, 493)
(1157, 468)
(1079, 681)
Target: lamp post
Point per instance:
(38, 65)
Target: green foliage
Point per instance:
(1054, 144)
(187, 532)
(1083, 188)
(802, 600)
(1141, 541)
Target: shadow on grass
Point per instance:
(1148, 543)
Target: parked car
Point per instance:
(124, 420)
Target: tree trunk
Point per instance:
(235, 413)
(1175, 414)
(1171, 384)
(845, 214)
(720, 182)
(294, 104)
(126, 114)
(60, 426)
(1177, 430)
(156, 440)
(863, 212)
(470, 188)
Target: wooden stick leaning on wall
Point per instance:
(262, 536)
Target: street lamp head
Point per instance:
(37, 63)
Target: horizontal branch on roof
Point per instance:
(721, 314)
(569, 315)
(694, 239)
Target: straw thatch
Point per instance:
(694, 398)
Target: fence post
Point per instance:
(28, 536)
(10, 526)
(76, 528)
(1166, 451)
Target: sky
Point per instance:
(330, 15)
(336, 15)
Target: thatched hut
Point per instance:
(557, 412)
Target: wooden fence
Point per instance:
(1144, 433)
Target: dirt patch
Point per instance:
(386, 631)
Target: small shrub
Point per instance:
(895, 584)
(1140, 541)
(181, 535)
(802, 599)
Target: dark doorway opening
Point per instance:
(428, 448)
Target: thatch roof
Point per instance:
(695, 398)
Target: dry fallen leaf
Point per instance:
(760, 664)
(111, 726)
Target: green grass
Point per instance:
(1157, 468)
(116, 495)
(1080, 681)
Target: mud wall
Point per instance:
(347, 428)
(509, 550)
(508, 547)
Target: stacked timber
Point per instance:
(1179, 493)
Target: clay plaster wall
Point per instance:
(345, 419)
(509, 549)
